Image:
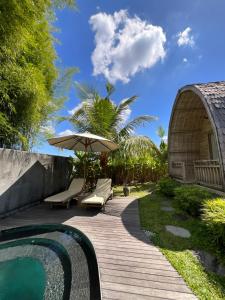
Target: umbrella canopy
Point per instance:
(86, 142)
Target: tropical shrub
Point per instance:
(214, 217)
(190, 199)
(167, 186)
(87, 164)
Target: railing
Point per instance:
(183, 170)
(178, 169)
(208, 173)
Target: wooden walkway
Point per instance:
(130, 267)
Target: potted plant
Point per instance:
(126, 188)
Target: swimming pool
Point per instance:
(50, 262)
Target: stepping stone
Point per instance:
(167, 208)
(178, 231)
(166, 203)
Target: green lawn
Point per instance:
(205, 285)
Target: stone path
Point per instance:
(130, 267)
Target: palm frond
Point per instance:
(139, 145)
(132, 125)
(80, 125)
(109, 88)
(85, 92)
(64, 81)
(161, 132)
(124, 104)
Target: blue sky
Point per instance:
(146, 48)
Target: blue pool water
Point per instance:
(22, 278)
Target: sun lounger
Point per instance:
(100, 195)
(65, 197)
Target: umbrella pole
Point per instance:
(85, 158)
(85, 161)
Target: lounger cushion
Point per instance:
(95, 200)
(60, 198)
(101, 193)
(63, 197)
(76, 185)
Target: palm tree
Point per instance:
(100, 115)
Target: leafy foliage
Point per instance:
(101, 116)
(214, 217)
(167, 186)
(136, 160)
(91, 164)
(27, 69)
(190, 199)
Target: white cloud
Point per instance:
(125, 45)
(185, 38)
(66, 132)
(75, 109)
(185, 60)
(48, 128)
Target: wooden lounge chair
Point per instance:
(64, 198)
(100, 195)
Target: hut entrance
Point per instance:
(193, 150)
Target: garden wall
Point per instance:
(26, 178)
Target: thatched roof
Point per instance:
(213, 96)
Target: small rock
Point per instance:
(167, 208)
(209, 262)
(221, 270)
(178, 231)
(148, 233)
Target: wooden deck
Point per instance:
(130, 267)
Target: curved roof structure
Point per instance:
(194, 106)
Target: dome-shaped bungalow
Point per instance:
(197, 135)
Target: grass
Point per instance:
(178, 250)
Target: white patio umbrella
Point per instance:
(86, 142)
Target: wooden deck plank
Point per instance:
(145, 283)
(115, 295)
(151, 271)
(130, 266)
(147, 291)
(137, 275)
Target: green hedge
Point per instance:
(214, 217)
(190, 199)
(167, 186)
